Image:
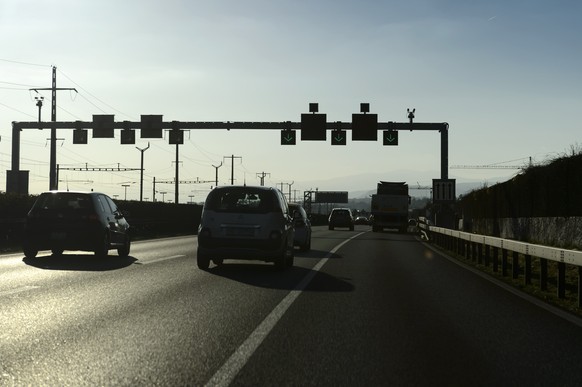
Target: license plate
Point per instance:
(240, 232)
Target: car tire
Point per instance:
(124, 250)
(290, 259)
(30, 252)
(202, 261)
(281, 260)
(103, 249)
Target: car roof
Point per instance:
(74, 192)
(253, 187)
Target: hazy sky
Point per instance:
(505, 75)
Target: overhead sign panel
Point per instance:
(127, 136)
(338, 137)
(288, 137)
(443, 190)
(364, 127)
(331, 197)
(176, 137)
(313, 127)
(390, 137)
(151, 126)
(103, 125)
(80, 136)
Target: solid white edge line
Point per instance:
(226, 374)
(531, 299)
(18, 290)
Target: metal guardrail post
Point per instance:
(504, 262)
(527, 279)
(543, 274)
(515, 265)
(561, 280)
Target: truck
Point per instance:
(390, 206)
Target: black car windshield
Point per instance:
(245, 200)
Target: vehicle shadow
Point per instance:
(80, 262)
(267, 276)
(317, 254)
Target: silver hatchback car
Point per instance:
(245, 222)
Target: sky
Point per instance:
(505, 76)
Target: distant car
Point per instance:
(87, 221)
(341, 217)
(245, 222)
(302, 227)
(361, 220)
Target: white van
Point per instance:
(245, 222)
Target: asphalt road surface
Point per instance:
(360, 308)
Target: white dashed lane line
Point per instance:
(21, 289)
(160, 259)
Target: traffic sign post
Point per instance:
(390, 137)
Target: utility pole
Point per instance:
(232, 167)
(290, 184)
(53, 179)
(216, 170)
(141, 171)
(262, 177)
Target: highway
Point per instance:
(360, 308)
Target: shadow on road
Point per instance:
(80, 262)
(267, 276)
(317, 254)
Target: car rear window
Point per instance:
(63, 202)
(244, 200)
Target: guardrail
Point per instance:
(488, 250)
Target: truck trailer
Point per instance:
(390, 206)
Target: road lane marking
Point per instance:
(226, 374)
(17, 290)
(161, 259)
